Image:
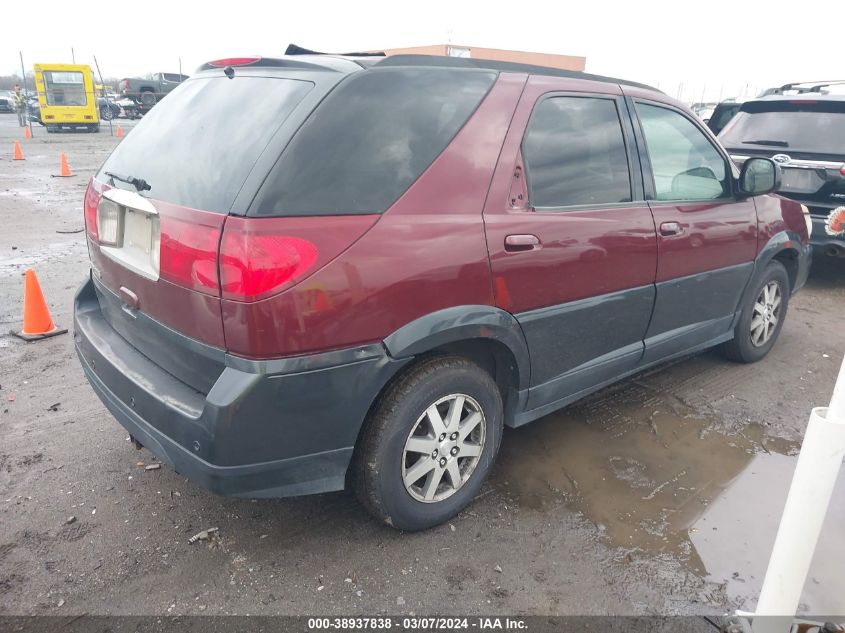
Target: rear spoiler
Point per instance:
(293, 49)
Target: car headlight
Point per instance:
(808, 220)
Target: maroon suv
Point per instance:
(360, 277)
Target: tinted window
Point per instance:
(370, 140)
(721, 115)
(800, 125)
(684, 162)
(196, 147)
(574, 153)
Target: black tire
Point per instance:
(148, 99)
(106, 114)
(377, 471)
(742, 348)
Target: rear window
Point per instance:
(799, 125)
(369, 140)
(197, 146)
(65, 88)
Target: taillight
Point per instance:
(256, 261)
(842, 170)
(92, 201)
(188, 255)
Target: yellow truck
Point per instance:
(66, 97)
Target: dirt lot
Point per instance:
(661, 495)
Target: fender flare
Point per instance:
(783, 241)
(461, 323)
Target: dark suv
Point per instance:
(387, 261)
(805, 134)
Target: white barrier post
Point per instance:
(818, 467)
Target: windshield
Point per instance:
(801, 126)
(198, 145)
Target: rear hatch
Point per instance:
(156, 210)
(806, 136)
(234, 189)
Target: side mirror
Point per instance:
(759, 176)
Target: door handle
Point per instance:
(670, 228)
(521, 242)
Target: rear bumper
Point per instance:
(265, 429)
(824, 244)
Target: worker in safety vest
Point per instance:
(20, 106)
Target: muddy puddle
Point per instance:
(655, 477)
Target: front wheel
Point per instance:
(106, 114)
(429, 444)
(763, 313)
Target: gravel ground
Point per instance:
(610, 507)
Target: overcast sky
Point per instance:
(712, 47)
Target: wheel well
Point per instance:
(491, 355)
(789, 259)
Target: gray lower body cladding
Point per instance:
(264, 429)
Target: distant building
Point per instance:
(565, 62)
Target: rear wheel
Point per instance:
(763, 312)
(429, 444)
(148, 99)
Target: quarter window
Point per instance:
(574, 152)
(684, 162)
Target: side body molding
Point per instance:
(462, 323)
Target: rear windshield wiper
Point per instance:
(767, 142)
(139, 183)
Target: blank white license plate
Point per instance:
(801, 180)
(138, 250)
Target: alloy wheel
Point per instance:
(766, 314)
(443, 448)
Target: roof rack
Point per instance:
(487, 64)
(802, 87)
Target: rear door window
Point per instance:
(574, 153)
(369, 140)
(684, 163)
(196, 147)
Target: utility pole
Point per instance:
(72, 55)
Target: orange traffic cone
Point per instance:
(27, 133)
(37, 322)
(65, 168)
(18, 152)
(119, 132)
